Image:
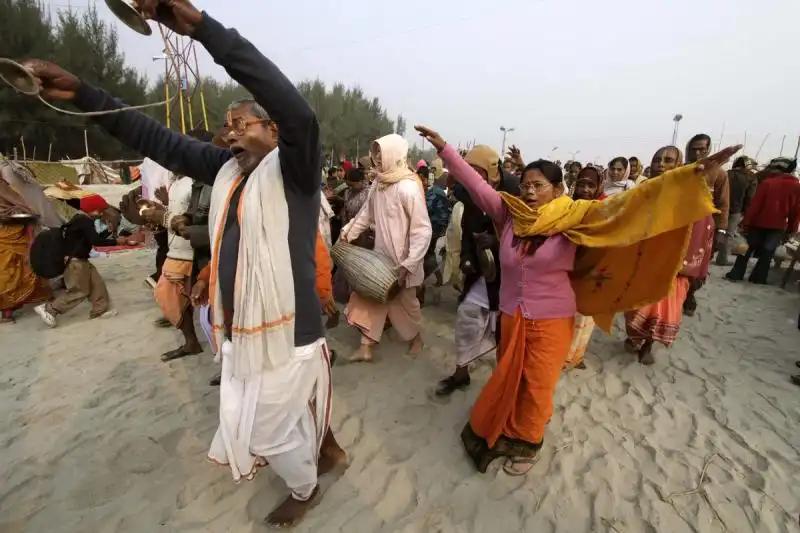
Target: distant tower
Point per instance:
(182, 78)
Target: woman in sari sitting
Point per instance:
(558, 257)
(18, 284)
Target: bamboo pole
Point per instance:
(762, 145)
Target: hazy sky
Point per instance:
(604, 78)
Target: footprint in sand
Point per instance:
(139, 456)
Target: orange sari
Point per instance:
(18, 284)
(513, 409)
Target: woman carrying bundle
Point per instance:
(544, 283)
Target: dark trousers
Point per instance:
(762, 243)
(162, 240)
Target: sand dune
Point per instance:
(100, 435)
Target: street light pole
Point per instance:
(505, 131)
(676, 119)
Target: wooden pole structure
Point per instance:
(86, 142)
(762, 145)
(721, 135)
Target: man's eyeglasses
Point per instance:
(240, 125)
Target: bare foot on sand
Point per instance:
(646, 354)
(291, 511)
(331, 456)
(362, 355)
(415, 346)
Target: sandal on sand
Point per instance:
(106, 314)
(449, 385)
(518, 466)
(162, 323)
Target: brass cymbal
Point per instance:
(18, 77)
(129, 16)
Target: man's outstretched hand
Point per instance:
(57, 83)
(178, 15)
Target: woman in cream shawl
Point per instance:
(397, 210)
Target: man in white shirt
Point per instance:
(174, 284)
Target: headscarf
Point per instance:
(11, 203)
(393, 166)
(485, 158)
(609, 275)
(786, 165)
(94, 203)
(597, 177)
(615, 187)
(365, 162)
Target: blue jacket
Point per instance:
(438, 209)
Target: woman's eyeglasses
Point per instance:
(536, 186)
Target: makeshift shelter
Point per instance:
(23, 181)
(91, 171)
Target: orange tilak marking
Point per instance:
(212, 283)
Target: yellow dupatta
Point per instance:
(632, 244)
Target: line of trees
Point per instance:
(87, 46)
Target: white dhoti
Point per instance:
(281, 415)
(475, 325)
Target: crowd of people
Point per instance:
(540, 253)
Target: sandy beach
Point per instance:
(101, 436)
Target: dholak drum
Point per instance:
(488, 267)
(370, 274)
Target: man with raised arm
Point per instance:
(275, 389)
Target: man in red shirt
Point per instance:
(772, 217)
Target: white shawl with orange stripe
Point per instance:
(264, 306)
